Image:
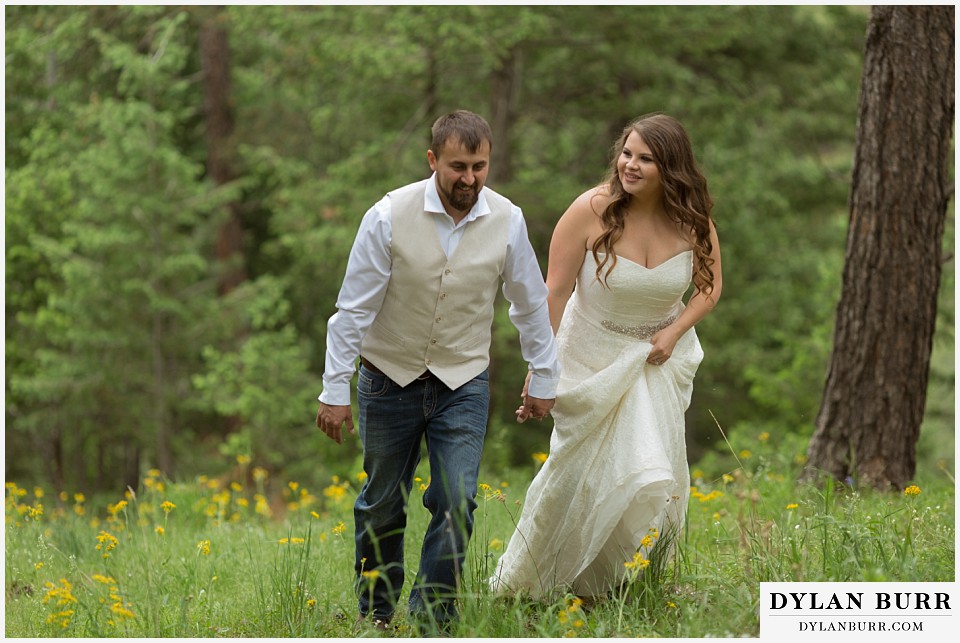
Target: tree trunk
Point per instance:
(215, 64)
(873, 403)
(505, 89)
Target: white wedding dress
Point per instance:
(617, 466)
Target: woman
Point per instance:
(617, 476)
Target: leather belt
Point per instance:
(373, 369)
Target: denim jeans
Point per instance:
(393, 421)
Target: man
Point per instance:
(416, 306)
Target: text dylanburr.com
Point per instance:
(858, 611)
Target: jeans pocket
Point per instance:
(372, 384)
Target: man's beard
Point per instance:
(462, 201)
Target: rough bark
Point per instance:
(873, 403)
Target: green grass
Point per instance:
(265, 558)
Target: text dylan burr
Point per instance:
(856, 601)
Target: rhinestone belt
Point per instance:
(644, 331)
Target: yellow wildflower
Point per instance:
(912, 490)
(335, 492)
(496, 543)
(262, 506)
(61, 618)
(362, 476)
(113, 510)
(106, 543)
(160, 530)
(638, 562)
(167, 506)
(792, 505)
(105, 580)
(339, 529)
(539, 457)
(745, 454)
(243, 459)
(38, 565)
(259, 474)
(373, 574)
(763, 437)
(203, 547)
(122, 610)
(705, 497)
(63, 593)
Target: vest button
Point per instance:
(433, 341)
(443, 295)
(447, 271)
(439, 319)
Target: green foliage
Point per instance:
(264, 384)
(107, 338)
(120, 352)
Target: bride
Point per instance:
(617, 476)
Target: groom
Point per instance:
(416, 306)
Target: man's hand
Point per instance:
(534, 407)
(331, 418)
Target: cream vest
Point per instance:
(437, 312)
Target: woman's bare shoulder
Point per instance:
(591, 204)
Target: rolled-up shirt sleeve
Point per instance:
(524, 288)
(361, 296)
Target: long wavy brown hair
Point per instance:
(685, 195)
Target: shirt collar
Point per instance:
(432, 202)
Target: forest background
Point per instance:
(183, 185)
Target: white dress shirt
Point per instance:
(368, 273)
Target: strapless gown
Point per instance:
(617, 468)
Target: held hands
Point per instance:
(532, 407)
(331, 418)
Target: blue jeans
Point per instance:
(393, 421)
